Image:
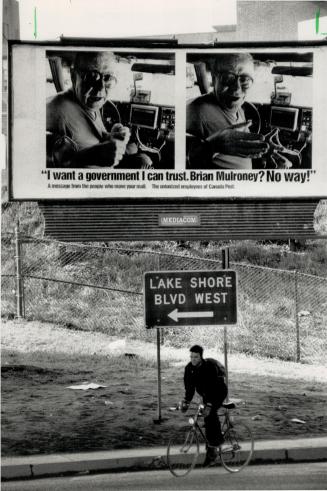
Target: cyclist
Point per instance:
(206, 377)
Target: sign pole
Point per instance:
(158, 420)
(225, 264)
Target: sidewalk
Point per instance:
(291, 450)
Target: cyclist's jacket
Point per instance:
(207, 379)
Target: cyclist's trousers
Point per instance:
(212, 423)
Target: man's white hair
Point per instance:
(85, 58)
(226, 60)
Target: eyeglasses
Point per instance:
(229, 79)
(92, 77)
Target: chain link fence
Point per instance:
(8, 282)
(99, 288)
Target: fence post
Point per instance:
(19, 278)
(297, 326)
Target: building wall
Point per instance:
(10, 22)
(273, 20)
(260, 20)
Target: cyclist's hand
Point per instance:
(207, 409)
(184, 406)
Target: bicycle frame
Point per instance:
(225, 424)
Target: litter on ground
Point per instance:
(86, 386)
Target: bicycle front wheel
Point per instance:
(238, 448)
(182, 451)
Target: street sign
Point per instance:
(188, 298)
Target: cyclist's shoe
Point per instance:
(210, 463)
(211, 457)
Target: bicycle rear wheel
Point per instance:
(238, 448)
(182, 451)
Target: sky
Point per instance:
(122, 18)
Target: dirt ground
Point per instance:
(41, 415)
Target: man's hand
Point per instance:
(232, 141)
(280, 161)
(184, 406)
(120, 136)
(106, 154)
(277, 153)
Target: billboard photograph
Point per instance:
(249, 111)
(168, 123)
(109, 109)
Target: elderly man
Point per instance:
(218, 121)
(78, 137)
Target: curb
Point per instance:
(281, 451)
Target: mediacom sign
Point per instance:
(117, 122)
(181, 220)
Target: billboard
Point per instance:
(115, 122)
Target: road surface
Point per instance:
(284, 476)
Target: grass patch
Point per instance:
(41, 415)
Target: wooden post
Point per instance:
(19, 279)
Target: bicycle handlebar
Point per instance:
(178, 406)
(228, 404)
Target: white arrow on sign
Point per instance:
(175, 315)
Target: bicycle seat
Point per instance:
(229, 405)
(232, 403)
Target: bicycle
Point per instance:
(184, 446)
